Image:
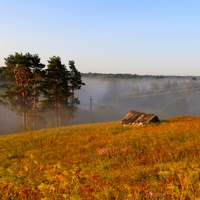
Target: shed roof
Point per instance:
(139, 118)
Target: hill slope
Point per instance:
(103, 161)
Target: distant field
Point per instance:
(103, 161)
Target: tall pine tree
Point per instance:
(75, 83)
(57, 90)
(20, 74)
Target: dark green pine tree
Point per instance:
(57, 90)
(38, 75)
(19, 89)
(75, 83)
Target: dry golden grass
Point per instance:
(103, 161)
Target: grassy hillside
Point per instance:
(103, 161)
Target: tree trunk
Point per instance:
(25, 115)
(24, 122)
(34, 109)
(57, 109)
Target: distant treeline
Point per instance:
(128, 76)
(118, 76)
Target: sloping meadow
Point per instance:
(103, 161)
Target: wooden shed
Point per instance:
(136, 118)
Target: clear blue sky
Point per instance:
(109, 36)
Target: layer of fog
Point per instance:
(110, 99)
(113, 98)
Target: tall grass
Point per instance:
(103, 161)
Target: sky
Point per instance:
(144, 37)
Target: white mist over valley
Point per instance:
(109, 99)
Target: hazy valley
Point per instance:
(109, 98)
